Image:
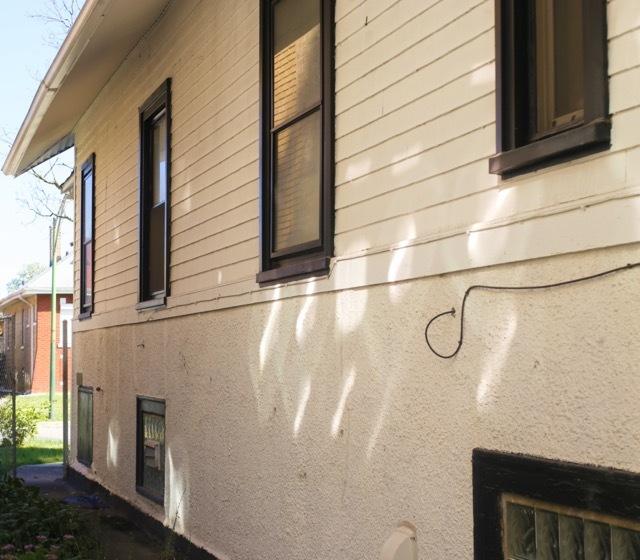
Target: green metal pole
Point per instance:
(52, 347)
(54, 306)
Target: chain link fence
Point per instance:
(19, 421)
(8, 393)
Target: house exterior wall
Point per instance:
(24, 322)
(306, 420)
(34, 349)
(43, 351)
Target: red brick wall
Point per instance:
(43, 336)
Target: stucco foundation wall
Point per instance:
(307, 428)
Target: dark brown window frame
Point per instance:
(89, 166)
(160, 100)
(88, 390)
(140, 399)
(310, 259)
(600, 490)
(515, 154)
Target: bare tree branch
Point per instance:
(45, 197)
(59, 15)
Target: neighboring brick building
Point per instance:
(30, 307)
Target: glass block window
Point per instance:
(532, 508)
(151, 448)
(85, 426)
(536, 531)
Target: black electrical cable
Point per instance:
(452, 312)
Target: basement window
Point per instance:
(85, 426)
(551, 70)
(155, 181)
(151, 448)
(527, 508)
(297, 120)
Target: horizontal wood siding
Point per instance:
(415, 124)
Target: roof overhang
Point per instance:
(103, 35)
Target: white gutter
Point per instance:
(71, 49)
(32, 347)
(102, 37)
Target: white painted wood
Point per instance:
(415, 124)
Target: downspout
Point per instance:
(31, 342)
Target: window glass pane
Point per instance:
(571, 537)
(87, 205)
(153, 453)
(559, 63)
(521, 532)
(569, 75)
(155, 248)
(546, 535)
(297, 58)
(297, 183)
(87, 284)
(597, 541)
(625, 544)
(85, 426)
(159, 162)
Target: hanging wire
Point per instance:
(452, 311)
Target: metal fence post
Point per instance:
(14, 435)
(65, 398)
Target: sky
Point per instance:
(25, 55)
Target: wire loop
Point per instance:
(452, 311)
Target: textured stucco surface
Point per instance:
(307, 428)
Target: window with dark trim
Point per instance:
(551, 78)
(85, 426)
(23, 326)
(155, 188)
(526, 508)
(297, 115)
(150, 448)
(87, 232)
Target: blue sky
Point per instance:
(24, 58)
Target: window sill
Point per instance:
(588, 138)
(152, 304)
(314, 267)
(149, 495)
(85, 315)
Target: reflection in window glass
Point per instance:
(159, 164)
(86, 232)
(296, 65)
(297, 185)
(559, 64)
(151, 447)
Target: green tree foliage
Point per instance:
(27, 418)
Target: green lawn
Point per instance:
(34, 452)
(42, 400)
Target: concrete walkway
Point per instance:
(120, 538)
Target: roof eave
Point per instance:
(71, 49)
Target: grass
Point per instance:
(34, 452)
(42, 400)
